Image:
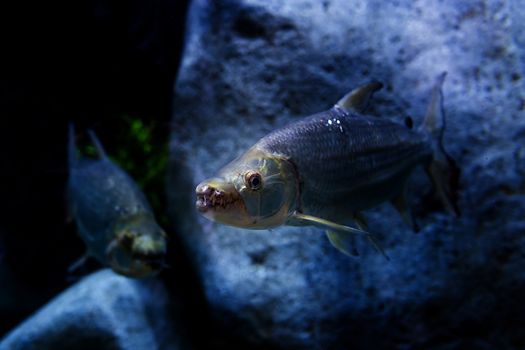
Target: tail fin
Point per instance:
(442, 169)
(71, 146)
(100, 150)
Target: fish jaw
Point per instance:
(138, 249)
(128, 264)
(218, 200)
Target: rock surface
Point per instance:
(102, 311)
(252, 66)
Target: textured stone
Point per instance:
(102, 311)
(252, 66)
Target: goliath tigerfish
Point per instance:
(112, 214)
(324, 170)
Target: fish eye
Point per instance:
(253, 180)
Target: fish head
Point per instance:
(139, 247)
(257, 191)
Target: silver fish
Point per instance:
(324, 170)
(112, 215)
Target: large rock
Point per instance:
(252, 66)
(103, 311)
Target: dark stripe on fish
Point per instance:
(337, 153)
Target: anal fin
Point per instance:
(400, 203)
(360, 221)
(344, 242)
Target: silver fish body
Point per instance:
(325, 169)
(101, 195)
(347, 162)
(113, 216)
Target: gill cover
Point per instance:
(267, 184)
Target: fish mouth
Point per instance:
(134, 264)
(155, 261)
(215, 195)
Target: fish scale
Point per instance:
(325, 169)
(333, 159)
(113, 215)
(103, 208)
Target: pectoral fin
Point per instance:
(357, 99)
(79, 263)
(341, 234)
(400, 203)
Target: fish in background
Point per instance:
(324, 170)
(112, 215)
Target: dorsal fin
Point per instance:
(357, 99)
(100, 150)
